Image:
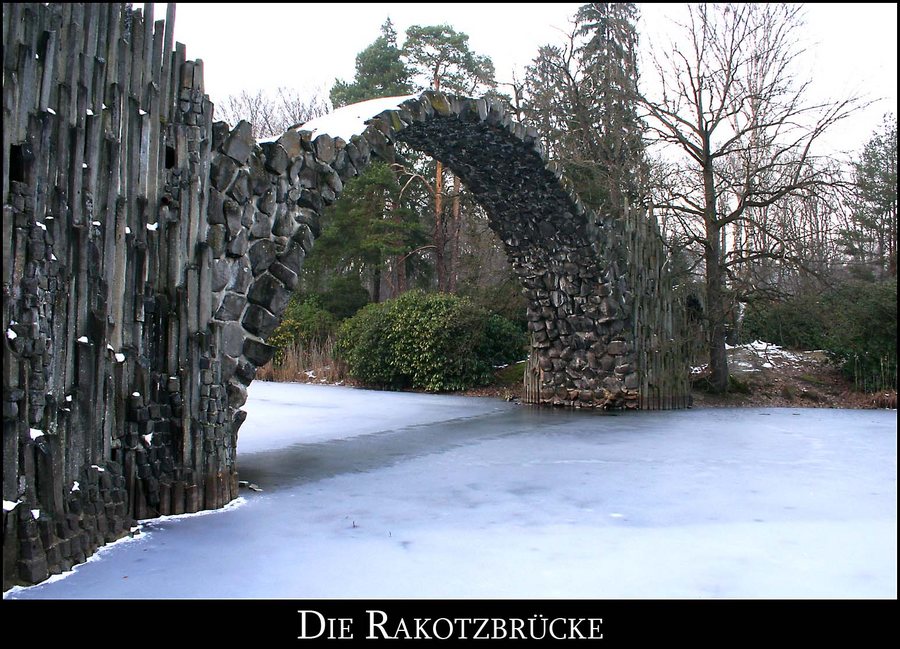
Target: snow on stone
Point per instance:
(148, 438)
(11, 334)
(97, 223)
(351, 120)
(51, 111)
(35, 433)
(52, 257)
(36, 513)
(9, 505)
(120, 357)
(152, 226)
(76, 486)
(142, 112)
(127, 230)
(40, 225)
(135, 394)
(68, 397)
(90, 113)
(110, 347)
(83, 339)
(99, 468)
(84, 165)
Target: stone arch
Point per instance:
(149, 253)
(267, 202)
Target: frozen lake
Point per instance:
(392, 495)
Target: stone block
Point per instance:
(258, 352)
(239, 144)
(268, 292)
(258, 320)
(232, 307)
(261, 255)
(233, 335)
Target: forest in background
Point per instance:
(771, 237)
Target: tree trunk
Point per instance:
(455, 225)
(376, 284)
(715, 303)
(440, 238)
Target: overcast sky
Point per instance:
(852, 49)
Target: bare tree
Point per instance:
(272, 115)
(730, 104)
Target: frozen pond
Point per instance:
(377, 494)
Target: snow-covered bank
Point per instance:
(372, 494)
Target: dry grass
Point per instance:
(313, 363)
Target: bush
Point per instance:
(344, 297)
(854, 322)
(862, 335)
(435, 342)
(304, 322)
(796, 323)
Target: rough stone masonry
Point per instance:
(149, 252)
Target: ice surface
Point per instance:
(379, 494)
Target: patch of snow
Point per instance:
(135, 394)
(35, 433)
(76, 486)
(83, 339)
(127, 230)
(99, 468)
(9, 505)
(152, 226)
(68, 397)
(142, 112)
(11, 334)
(120, 357)
(35, 514)
(84, 165)
(40, 225)
(97, 223)
(53, 257)
(350, 120)
(90, 113)
(51, 111)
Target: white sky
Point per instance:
(852, 49)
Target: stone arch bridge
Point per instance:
(148, 253)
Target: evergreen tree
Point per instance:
(371, 228)
(443, 60)
(610, 62)
(365, 228)
(380, 72)
(582, 98)
(872, 237)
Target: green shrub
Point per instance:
(796, 323)
(304, 322)
(862, 332)
(855, 323)
(435, 342)
(344, 297)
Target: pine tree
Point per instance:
(872, 237)
(582, 98)
(609, 57)
(380, 72)
(442, 59)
